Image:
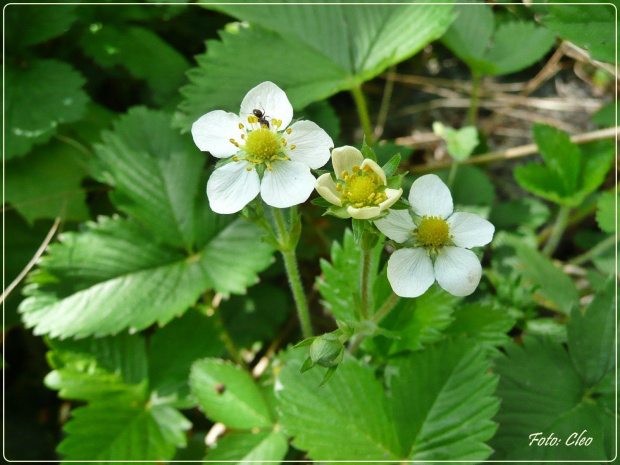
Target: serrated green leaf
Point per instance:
(561, 156)
(319, 51)
(553, 283)
(174, 348)
(101, 432)
(442, 402)
(47, 184)
(40, 96)
(155, 173)
(591, 335)
(351, 409)
(241, 448)
(114, 276)
(606, 212)
(96, 369)
(484, 323)
(144, 54)
(27, 25)
(229, 395)
(538, 180)
(589, 26)
(340, 280)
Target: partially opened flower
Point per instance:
(360, 185)
(265, 154)
(440, 240)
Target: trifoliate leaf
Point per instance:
(350, 410)
(172, 351)
(27, 25)
(99, 368)
(591, 335)
(442, 402)
(144, 54)
(155, 173)
(590, 26)
(47, 183)
(114, 276)
(51, 87)
(483, 323)
(229, 395)
(320, 51)
(340, 283)
(102, 432)
(606, 212)
(461, 142)
(241, 448)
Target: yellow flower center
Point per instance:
(362, 188)
(433, 232)
(262, 144)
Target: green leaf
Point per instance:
(351, 410)
(591, 335)
(461, 142)
(174, 348)
(155, 173)
(40, 96)
(101, 432)
(318, 51)
(145, 55)
(242, 448)
(589, 26)
(471, 186)
(561, 156)
(606, 116)
(114, 276)
(229, 395)
(484, 323)
(27, 25)
(47, 184)
(391, 165)
(542, 392)
(527, 211)
(442, 403)
(538, 180)
(553, 283)
(340, 281)
(606, 212)
(358, 229)
(96, 369)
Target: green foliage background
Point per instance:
(148, 312)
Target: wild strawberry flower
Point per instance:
(265, 154)
(440, 239)
(360, 186)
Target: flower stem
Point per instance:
(559, 227)
(452, 173)
(472, 114)
(362, 111)
(595, 251)
(386, 308)
(292, 271)
(365, 291)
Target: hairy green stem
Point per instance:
(294, 279)
(362, 111)
(561, 222)
(594, 251)
(365, 291)
(386, 308)
(472, 114)
(452, 173)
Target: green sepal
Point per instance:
(321, 172)
(395, 181)
(223, 162)
(338, 212)
(358, 229)
(368, 152)
(392, 165)
(321, 202)
(348, 329)
(307, 365)
(272, 241)
(304, 343)
(330, 372)
(400, 204)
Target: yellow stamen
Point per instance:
(235, 158)
(355, 168)
(241, 126)
(249, 168)
(289, 130)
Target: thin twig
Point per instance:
(33, 261)
(514, 152)
(547, 72)
(580, 54)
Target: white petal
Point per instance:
(431, 197)
(212, 132)
(458, 270)
(290, 183)
(232, 187)
(397, 225)
(410, 272)
(271, 100)
(392, 196)
(364, 213)
(326, 187)
(344, 158)
(470, 230)
(376, 168)
(311, 143)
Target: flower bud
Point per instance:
(327, 350)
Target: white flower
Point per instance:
(266, 155)
(360, 186)
(441, 239)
